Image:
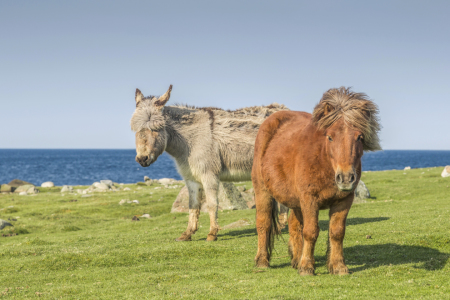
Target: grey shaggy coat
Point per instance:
(209, 145)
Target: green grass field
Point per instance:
(91, 248)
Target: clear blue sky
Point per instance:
(69, 69)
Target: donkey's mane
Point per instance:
(148, 116)
(356, 110)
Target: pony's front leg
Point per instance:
(211, 187)
(310, 233)
(194, 210)
(336, 233)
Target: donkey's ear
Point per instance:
(163, 99)
(139, 96)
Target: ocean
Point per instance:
(83, 167)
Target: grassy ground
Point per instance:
(91, 249)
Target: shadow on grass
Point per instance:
(323, 225)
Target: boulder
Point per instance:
(66, 189)
(146, 178)
(6, 188)
(17, 182)
(149, 182)
(109, 183)
(446, 172)
(101, 187)
(166, 181)
(23, 188)
(407, 168)
(361, 193)
(229, 199)
(23, 194)
(47, 184)
(32, 190)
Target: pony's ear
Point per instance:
(327, 109)
(139, 96)
(163, 99)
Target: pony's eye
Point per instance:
(360, 138)
(329, 138)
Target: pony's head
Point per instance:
(350, 125)
(150, 126)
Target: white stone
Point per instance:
(146, 178)
(127, 189)
(109, 183)
(102, 187)
(146, 216)
(135, 201)
(166, 181)
(66, 189)
(122, 201)
(407, 168)
(32, 190)
(47, 184)
(23, 194)
(446, 172)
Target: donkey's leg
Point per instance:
(194, 210)
(211, 187)
(263, 227)
(295, 237)
(336, 233)
(310, 234)
(283, 217)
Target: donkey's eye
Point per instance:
(329, 138)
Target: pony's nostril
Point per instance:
(339, 178)
(352, 178)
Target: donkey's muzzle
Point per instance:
(143, 161)
(345, 180)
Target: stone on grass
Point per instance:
(23, 194)
(17, 182)
(32, 190)
(407, 168)
(23, 188)
(109, 183)
(6, 188)
(146, 178)
(361, 193)
(166, 181)
(149, 182)
(147, 216)
(135, 201)
(237, 224)
(127, 189)
(66, 189)
(229, 199)
(123, 201)
(446, 172)
(101, 187)
(47, 184)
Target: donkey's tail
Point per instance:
(273, 231)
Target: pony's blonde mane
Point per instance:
(356, 110)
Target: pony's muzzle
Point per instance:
(345, 180)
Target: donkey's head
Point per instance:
(150, 126)
(350, 125)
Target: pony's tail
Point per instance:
(273, 231)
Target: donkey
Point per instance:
(208, 145)
(308, 163)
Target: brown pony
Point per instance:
(308, 163)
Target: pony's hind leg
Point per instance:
(194, 210)
(283, 217)
(211, 187)
(336, 233)
(295, 237)
(264, 225)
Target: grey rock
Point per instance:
(101, 187)
(6, 188)
(17, 182)
(109, 183)
(127, 189)
(229, 199)
(166, 181)
(446, 172)
(361, 193)
(146, 178)
(23, 194)
(47, 184)
(32, 190)
(3, 224)
(66, 189)
(23, 188)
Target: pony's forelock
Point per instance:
(356, 110)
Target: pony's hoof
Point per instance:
(261, 262)
(306, 272)
(183, 238)
(211, 238)
(340, 271)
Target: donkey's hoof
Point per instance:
(306, 272)
(183, 238)
(211, 238)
